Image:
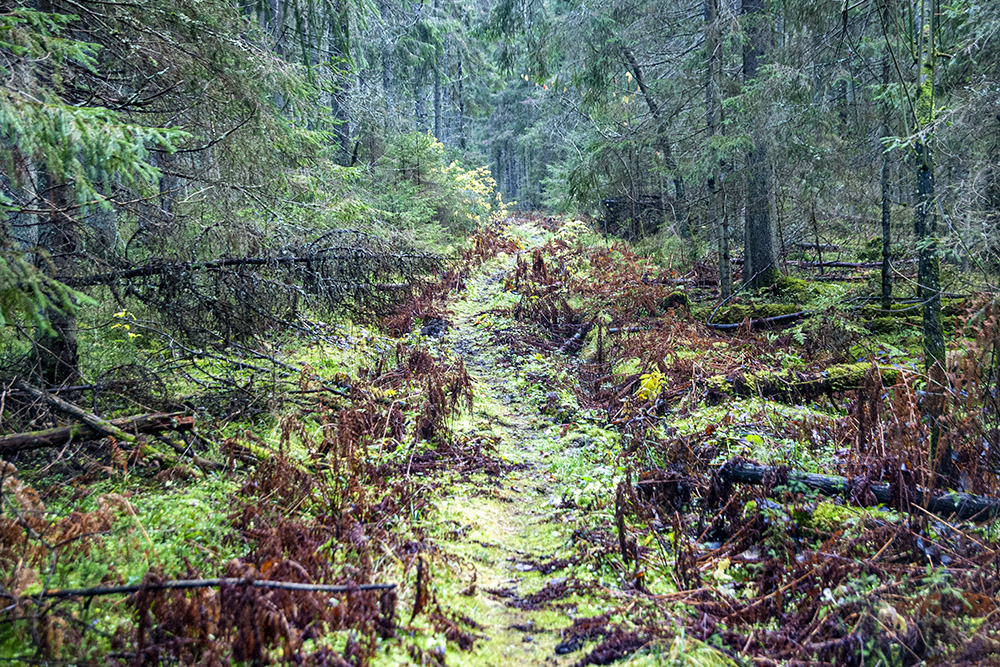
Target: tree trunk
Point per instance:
(886, 202)
(725, 261)
(461, 108)
(387, 85)
(716, 221)
(815, 226)
(886, 236)
(339, 30)
(928, 269)
(56, 346)
(437, 79)
(680, 203)
(419, 100)
(274, 22)
(962, 505)
(60, 435)
(759, 225)
(446, 98)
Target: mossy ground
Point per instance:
(494, 540)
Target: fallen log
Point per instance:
(823, 247)
(761, 322)
(574, 343)
(209, 583)
(766, 315)
(789, 385)
(962, 505)
(833, 264)
(54, 437)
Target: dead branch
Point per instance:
(99, 425)
(54, 437)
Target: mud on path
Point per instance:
(514, 547)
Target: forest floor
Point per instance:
(515, 526)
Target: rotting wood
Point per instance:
(824, 247)
(60, 435)
(962, 505)
(110, 429)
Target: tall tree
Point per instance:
(717, 222)
(928, 267)
(761, 266)
(886, 198)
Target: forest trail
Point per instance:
(507, 539)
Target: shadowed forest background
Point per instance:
(374, 332)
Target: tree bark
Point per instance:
(437, 80)
(886, 203)
(759, 226)
(56, 346)
(789, 386)
(461, 108)
(716, 221)
(339, 31)
(419, 100)
(928, 268)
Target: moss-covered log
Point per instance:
(962, 505)
(789, 385)
(738, 313)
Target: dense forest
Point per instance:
(384, 332)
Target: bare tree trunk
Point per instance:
(274, 21)
(725, 264)
(437, 79)
(886, 235)
(387, 83)
(446, 99)
(815, 225)
(759, 225)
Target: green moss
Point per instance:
(629, 366)
(883, 325)
(719, 384)
(827, 517)
(690, 652)
(676, 299)
(737, 313)
(795, 289)
(789, 384)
